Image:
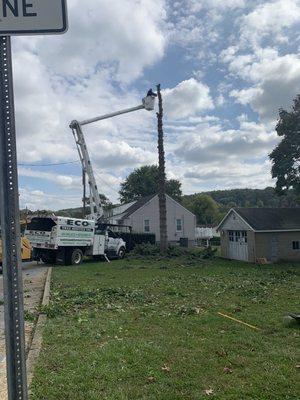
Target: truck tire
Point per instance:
(48, 259)
(121, 253)
(76, 257)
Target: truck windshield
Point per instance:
(41, 224)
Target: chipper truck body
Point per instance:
(67, 241)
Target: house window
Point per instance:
(231, 236)
(296, 245)
(178, 225)
(147, 225)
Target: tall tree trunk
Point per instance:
(162, 177)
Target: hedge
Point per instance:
(132, 239)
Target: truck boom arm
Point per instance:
(76, 126)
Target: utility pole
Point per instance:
(162, 176)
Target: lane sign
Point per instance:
(17, 17)
(33, 17)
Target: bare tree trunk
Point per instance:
(162, 177)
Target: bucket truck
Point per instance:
(64, 240)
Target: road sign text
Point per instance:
(17, 8)
(33, 17)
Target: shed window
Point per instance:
(147, 225)
(245, 236)
(296, 245)
(238, 236)
(178, 225)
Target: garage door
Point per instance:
(238, 245)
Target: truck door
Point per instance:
(113, 242)
(99, 245)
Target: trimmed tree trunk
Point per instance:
(162, 177)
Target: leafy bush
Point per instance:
(134, 239)
(208, 253)
(146, 249)
(149, 250)
(215, 241)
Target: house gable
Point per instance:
(179, 205)
(233, 221)
(150, 199)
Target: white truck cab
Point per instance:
(65, 240)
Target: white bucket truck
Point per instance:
(67, 241)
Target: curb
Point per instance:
(36, 343)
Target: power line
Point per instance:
(48, 165)
(105, 183)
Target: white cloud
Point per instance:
(65, 181)
(269, 19)
(125, 35)
(197, 5)
(213, 144)
(187, 99)
(39, 200)
(230, 176)
(120, 154)
(275, 79)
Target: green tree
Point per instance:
(286, 156)
(144, 182)
(204, 207)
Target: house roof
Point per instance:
(271, 219)
(137, 205)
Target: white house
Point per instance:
(143, 216)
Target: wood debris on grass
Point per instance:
(165, 368)
(228, 370)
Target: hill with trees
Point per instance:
(211, 207)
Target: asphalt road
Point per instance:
(34, 277)
(31, 272)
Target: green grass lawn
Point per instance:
(144, 329)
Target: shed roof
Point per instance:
(271, 219)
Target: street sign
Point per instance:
(17, 17)
(33, 17)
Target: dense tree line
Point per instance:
(211, 207)
(285, 157)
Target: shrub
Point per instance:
(146, 249)
(134, 239)
(208, 253)
(215, 241)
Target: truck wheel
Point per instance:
(121, 253)
(48, 259)
(76, 257)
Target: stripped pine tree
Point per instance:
(162, 177)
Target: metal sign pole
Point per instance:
(11, 238)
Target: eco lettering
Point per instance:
(77, 223)
(18, 8)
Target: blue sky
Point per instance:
(225, 67)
